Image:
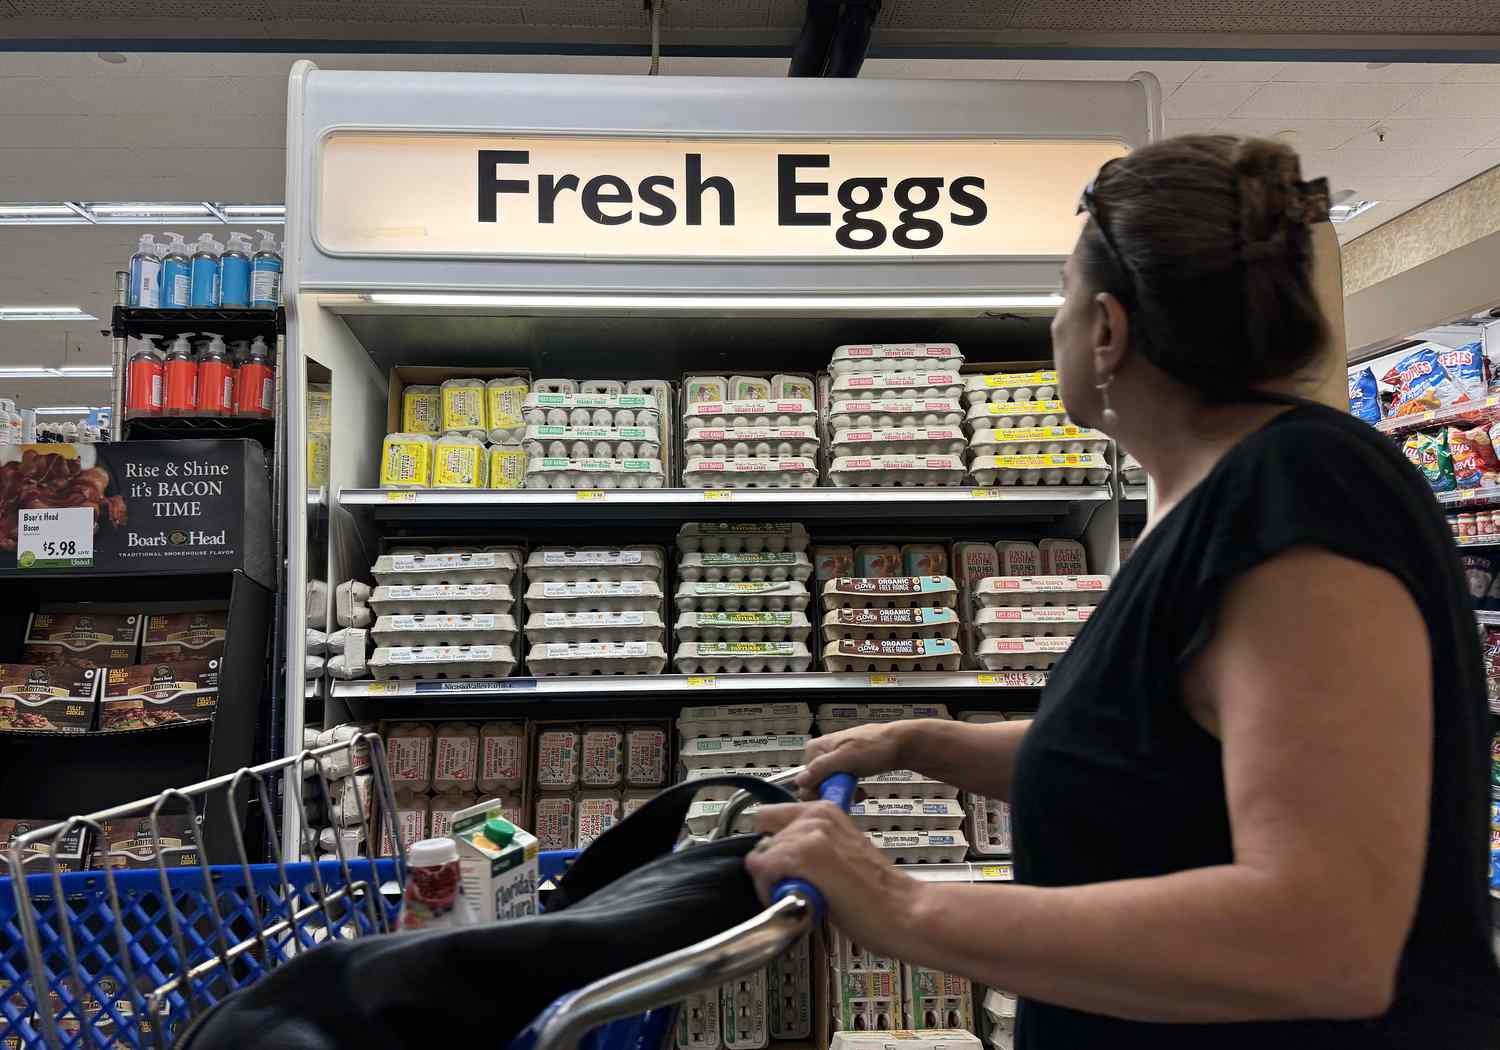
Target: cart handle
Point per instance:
(838, 789)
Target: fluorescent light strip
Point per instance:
(45, 313)
(753, 303)
(48, 372)
(139, 213)
(65, 410)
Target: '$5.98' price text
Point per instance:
(59, 548)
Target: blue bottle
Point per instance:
(234, 272)
(176, 274)
(145, 275)
(205, 273)
(265, 273)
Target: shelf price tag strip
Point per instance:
(55, 538)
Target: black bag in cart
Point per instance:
(626, 900)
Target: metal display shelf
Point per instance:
(1470, 497)
(672, 506)
(1490, 617)
(1484, 409)
(1479, 541)
(231, 323)
(682, 686)
(200, 427)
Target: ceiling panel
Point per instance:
(1199, 99)
(1346, 100)
(1454, 100)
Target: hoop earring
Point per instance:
(1109, 417)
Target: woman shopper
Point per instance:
(1251, 808)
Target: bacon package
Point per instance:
(1422, 383)
(1474, 459)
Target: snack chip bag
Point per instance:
(1466, 367)
(1422, 383)
(1412, 448)
(1473, 456)
(1364, 396)
(1436, 462)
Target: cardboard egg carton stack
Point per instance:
(1027, 613)
(749, 431)
(590, 777)
(435, 612)
(887, 607)
(1019, 433)
(742, 598)
(986, 820)
(597, 434)
(877, 993)
(349, 812)
(894, 415)
(596, 610)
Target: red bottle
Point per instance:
(145, 380)
(215, 379)
(181, 378)
(255, 383)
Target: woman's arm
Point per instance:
(976, 758)
(1318, 683)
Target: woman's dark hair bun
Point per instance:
(1215, 234)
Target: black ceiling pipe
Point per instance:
(810, 55)
(851, 38)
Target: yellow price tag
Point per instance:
(375, 688)
(884, 679)
(401, 496)
(995, 871)
(984, 494)
(589, 495)
(990, 679)
(717, 495)
(707, 681)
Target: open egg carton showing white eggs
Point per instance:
(598, 434)
(742, 598)
(596, 610)
(749, 431)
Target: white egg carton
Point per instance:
(1055, 469)
(789, 992)
(744, 596)
(743, 1012)
(909, 622)
(725, 415)
(1040, 590)
(897, 385)
(594, 596)
(865, 413)
(751, 536)
(1022, 654)
(751, 443)
(742, 657)
(552, 659)
(1027, 441)
(907, 814)
(597, 410)
(726, 752)
(554, 386)
(920, 847)
(892, 654)
(897, 471)
(889, 592)
(785, 626)
(737, 566)
(449, 567)
(790, 472)
(1020, 621)
(442, 661)
(905, 783)
(447, 629)
(895, 357)
(724, 794)
(566, 564)
(744, 720)
(698, 1022)
(559, 473)
(831, 718)
(592, 442)
(629, 626)
(899, 441)
(703, 816)
(1011, 415)
(1131, 470)
(1010, 386)
(429, 598)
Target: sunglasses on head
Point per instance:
(1088, 203)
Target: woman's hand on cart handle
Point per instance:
(862, 751)
(839, 790)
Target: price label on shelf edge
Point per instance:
(401, 496)
(55, 538)
(717, 495)
(706, 681)
(589, 495)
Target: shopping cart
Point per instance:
(129, 958)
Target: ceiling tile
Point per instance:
(1348, 101)
(1237, 72)
(1474, 73)
(1361, 73)
(920, 69)
(1198, 100)
(956, 14)
(1189, 126)
(1455, 100)
(1429, 133)
(1166, 72)
(1305, 134)
(1465, 166)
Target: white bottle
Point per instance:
(145, 275)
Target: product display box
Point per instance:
(82, 639)
(933, 1039)
(403, 376)
(41, 699)
(184, 636)
(500, 881)
(130, 843)
(160, 507)
(69, 854)
(151, 695)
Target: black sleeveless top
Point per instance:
(1115, 781)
